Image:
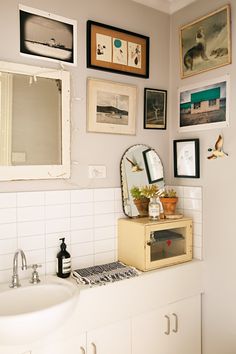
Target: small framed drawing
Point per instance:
(155, 107)
(47, 36)
(186, 158)
(117, 50)
(154, 167)
(204, 105)
(205, 44)
(111, 107)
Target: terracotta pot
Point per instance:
(142, 206)
(169, 205)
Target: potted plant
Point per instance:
(141, 201)
(169, 201)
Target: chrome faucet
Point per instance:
(15, 277)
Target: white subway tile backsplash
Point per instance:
(81, 222)
(193, 192)
(57, 225)
(57, 197)
(35, 221)
(104, 207)
(8, 231)
(30, 199)
(79, 236)
(57, 211)
(81, 209)
(7, 200)
(31, 243)
(102, 233)
(8, 246)
(104, 245)
(30, 213)
(192, 204)
(104, 220)
(7, 215)
(104, 194)
(82, 196)
(30, 228)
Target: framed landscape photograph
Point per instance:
(116, 50)
(205, 44)
(47, 36)
(111, 107)
(186, 158)
(155, 107)
(205, 105)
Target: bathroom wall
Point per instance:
(93, 148)
(218, 182)
(34, 221)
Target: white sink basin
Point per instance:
(31, 311)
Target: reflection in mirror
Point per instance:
(140, 165)
(34, 122)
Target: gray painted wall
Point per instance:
(92, 148)
(218, 181)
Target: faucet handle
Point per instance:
(35, 275)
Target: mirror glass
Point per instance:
(140, 165)
(34, 122)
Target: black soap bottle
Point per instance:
(63, 261)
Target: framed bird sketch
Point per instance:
(117, 50)
(111, 107)
(155, 107)
(205, 105)
(205, 43)
(186, 158)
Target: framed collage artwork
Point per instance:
(116, 50)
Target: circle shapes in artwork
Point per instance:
(117, 43)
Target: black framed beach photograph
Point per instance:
(155, 108)
(204, 105)
(205, 43)
(111, 107)
(186, 158)
(113, 49)
(47, 36)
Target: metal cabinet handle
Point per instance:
(94, 348)
(82, 350)
(175, 330)
(167, 332)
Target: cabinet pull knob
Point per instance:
(94, 348)
(175, 330)
(167, 332)
(82, 350)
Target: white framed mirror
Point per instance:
(34, 122)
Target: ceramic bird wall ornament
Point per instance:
(218, 150)
(134, 165)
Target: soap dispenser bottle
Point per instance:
(63, 261)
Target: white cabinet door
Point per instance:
(173, 329)
(114, 338)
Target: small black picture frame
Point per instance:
(155, 108)
(116, 50)
(186, 158)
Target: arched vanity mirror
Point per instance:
(140, 165)
(34, 122)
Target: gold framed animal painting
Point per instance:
(205, 44)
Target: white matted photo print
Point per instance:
(47, 36)
(111, 107)
(204, 105)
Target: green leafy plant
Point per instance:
(150, 191)
(169, 193)
(136, 192)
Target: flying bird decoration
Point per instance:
(134, 165)
(218, 151)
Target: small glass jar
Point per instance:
(154, 209)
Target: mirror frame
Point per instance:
(149, 178)
(22, 172)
